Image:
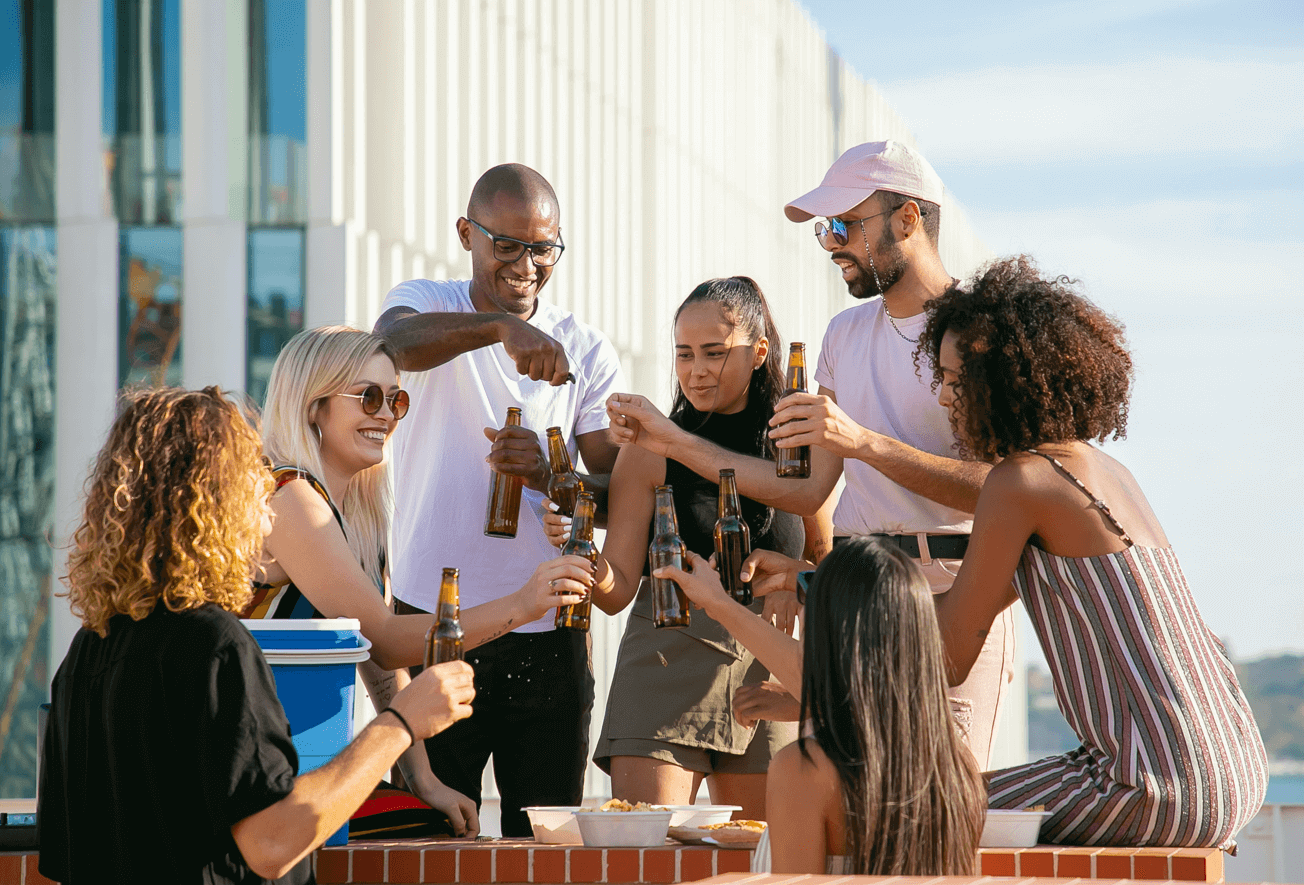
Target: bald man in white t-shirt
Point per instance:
(873, 418)
(469, 350)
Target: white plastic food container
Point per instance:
(700, 815)
(624, 829)
(555, 824)
(1011, 829)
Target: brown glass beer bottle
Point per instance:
(669, 603)
(794, 462)
(444, 638)
(564, 486)
(504, 495)
(733, 541)
(576, 617)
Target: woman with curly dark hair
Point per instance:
(1032, 373)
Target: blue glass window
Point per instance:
(278, 112)
(275, 301)
(26, 111)
(149, 306)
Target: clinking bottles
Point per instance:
(444, 639)
(564, 487)
(669, 603)
(733, 540)
(794, 462)
(504, 495)
(576, 617)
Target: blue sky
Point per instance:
(1153, 149)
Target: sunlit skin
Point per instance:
(513, 288)
(713, 361)
(948, 392)
(352, 440)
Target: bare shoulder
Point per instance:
(1017, 476)
(790, 765)
(299, 504)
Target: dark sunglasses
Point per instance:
(373, 398)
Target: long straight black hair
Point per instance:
(743, 306)
(874, 690)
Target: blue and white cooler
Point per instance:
(314, 663)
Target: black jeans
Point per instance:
(533, 700)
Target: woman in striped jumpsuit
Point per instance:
(1032, 374)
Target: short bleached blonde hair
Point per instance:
(173, 509)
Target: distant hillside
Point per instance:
(1274, 687)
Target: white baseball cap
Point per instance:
(862, 170)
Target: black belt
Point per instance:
(939, 546)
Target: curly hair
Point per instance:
(1039, 362)
(172, 509)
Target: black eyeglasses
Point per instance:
(373, 398)
(509, 250)
(837, 229)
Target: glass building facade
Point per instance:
(278, 213)
(28, 310)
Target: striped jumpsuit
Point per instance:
(1170, 755)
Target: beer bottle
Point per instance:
(504, 495)
(733, 541)
(576, 617)
(564, 487)
(444, 639)
(669, 603)
(794, 462)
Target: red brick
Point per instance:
(1202, 868)
(474, 865)
(623, 866)
(11, 869)
(1151, 863)
(549, 866)
(1073, 863)
(440, 865)
(1114, 864)
(332, 865)
(585, 865)
(659, 865)
(33, 874)
(696, 863)
(1037, 862)
(512, 865)
(404, 867)
(732, 860)
(368, 866)
(997, 862)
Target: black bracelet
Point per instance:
(399, 716)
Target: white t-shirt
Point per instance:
(872, 370)
(441, 479)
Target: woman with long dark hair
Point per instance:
(669, 719)
(1032, 374)
(881, 783)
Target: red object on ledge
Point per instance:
(506, 862)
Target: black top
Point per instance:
(697, 498)
(161, 736)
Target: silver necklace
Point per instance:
(879, 284)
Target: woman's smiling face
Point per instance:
(352, 440)
(713, 360)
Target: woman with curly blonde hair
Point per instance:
(333, 400)
(167, 756)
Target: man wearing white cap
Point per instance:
(874, 418)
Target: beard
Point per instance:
(891, 268)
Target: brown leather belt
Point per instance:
(939, 546)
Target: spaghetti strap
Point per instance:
(1099, 504)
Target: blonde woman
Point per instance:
(333, 401)
(167, 757)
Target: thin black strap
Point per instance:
(1099, 504)
(399, 716)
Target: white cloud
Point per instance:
(1171, 106)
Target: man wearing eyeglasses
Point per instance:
(469, 349)
(874, 420)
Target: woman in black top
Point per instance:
(670, 719)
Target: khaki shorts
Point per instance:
(755, 761)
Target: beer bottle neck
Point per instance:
(582, 527)
(729, 505)
(558, 456)
(665, 522)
